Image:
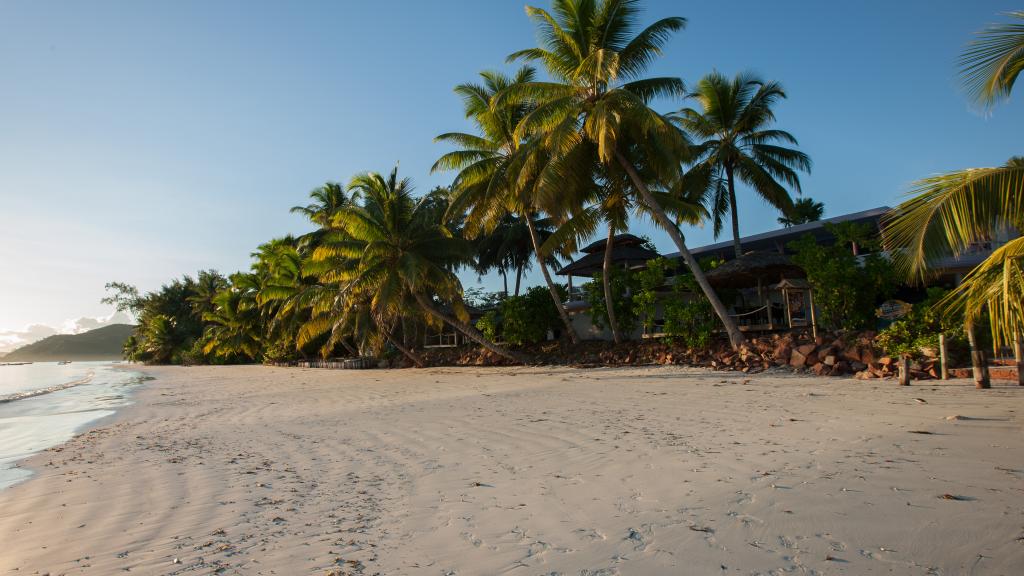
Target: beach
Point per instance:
(534, 471)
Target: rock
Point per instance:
(812, 359)
(851, 353)
(820, 369)
(797, 360)
(829, 360)
(858, 366)
(885, 360)
(806, 349)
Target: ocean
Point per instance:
(45, 404)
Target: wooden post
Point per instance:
(978, 364)
(943, 358)
(814, 318)
(1018, 356)
(904, 366)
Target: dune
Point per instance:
(534, 471)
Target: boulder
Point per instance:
(797, 360)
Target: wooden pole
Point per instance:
(1018, 356)
(978, 364)
(814, 318)
(943, 358)
(904, 366)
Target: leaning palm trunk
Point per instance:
(466, 329)
(606, 269)
(416, 360)
(734, 210)
(736, 338)
(569, 331)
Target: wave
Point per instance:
(41, 391)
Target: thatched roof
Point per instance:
(628, 255)
(745, 271)
(617, 240)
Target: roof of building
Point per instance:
(630, 255)
(753, 266)
(776, 239)
(617, 240)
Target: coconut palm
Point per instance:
(597, 103)
(990, 64)
(496, 167)
(403, 253)
(804, 210)
(737, 143)
(610, 205)
(950, 213)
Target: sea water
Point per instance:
(45, 404)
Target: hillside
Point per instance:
(99, 344)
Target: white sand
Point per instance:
(528, 471)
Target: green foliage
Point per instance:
(624, 283)
(689, 317)
(846, 290)
(523, 319)
(649, 281)
(489, 325)
(921, 327)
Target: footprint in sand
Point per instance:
(589, 534)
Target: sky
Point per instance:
(140, 141)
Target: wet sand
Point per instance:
(661, 470)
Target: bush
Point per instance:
(688, 316)
(920, 328)
(845, 289)
(624, 283)
(523, 319)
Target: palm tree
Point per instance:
(597, 103)
(990, 64)
(403, 253)
(509, 247)
(949, 213)
(736, 143)
(495, 178)
(610, 205)
(804, 210)
(327, 201)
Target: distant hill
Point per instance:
(100, 344)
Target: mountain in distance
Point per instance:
(100, 344)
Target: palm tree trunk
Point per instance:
(979, 365)
(606, 269)
(466, 329)
(408, 353)
(734, 211)
(519, 278)
(736, 338)
(504, 280)
(569, 331)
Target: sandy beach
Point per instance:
(533, 471)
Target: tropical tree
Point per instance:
(949, 214)
(610, 206)
(402, 253)
(736, 142)
(596, 106)
(804, 210)
(497, 168)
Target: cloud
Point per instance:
(13, 339)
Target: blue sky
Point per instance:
(143, 140)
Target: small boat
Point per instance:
(62, 362)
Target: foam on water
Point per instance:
(38, 411)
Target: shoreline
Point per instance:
(641, 470)
(61, 420)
